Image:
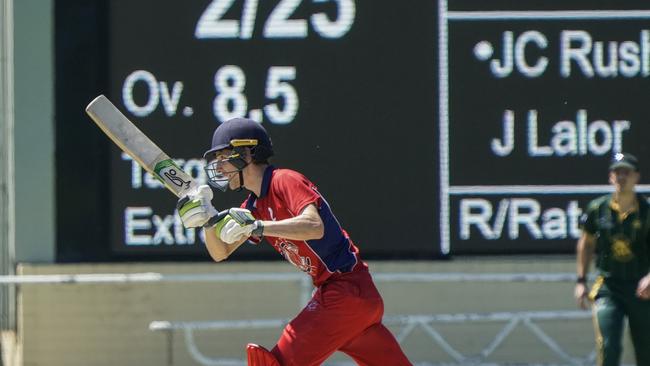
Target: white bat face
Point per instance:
(135, 143)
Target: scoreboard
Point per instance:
(433, 128)
(533, 104)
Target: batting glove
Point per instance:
(238, 224)
(195, 209)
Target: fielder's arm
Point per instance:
(643, 288)
(584, 254)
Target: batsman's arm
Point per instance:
(308, 225)
(219, 250)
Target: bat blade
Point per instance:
(137, 145)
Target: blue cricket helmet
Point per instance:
(241, 132)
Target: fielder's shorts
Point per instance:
(614, 301)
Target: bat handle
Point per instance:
(216, 218)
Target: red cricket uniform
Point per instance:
(345, 311)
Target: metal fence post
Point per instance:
(7, 213)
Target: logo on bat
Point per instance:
(168, 170)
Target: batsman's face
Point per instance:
(222, 174)
(624, 179)
(226, 169)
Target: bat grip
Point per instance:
(216, 218)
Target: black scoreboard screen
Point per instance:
(533, 103)
(439, 127)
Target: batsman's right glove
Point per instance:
(237, 225)
(195, 209)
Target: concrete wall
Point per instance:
(107, 324)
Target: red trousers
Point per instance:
(343, 315)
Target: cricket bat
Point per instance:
(141, 149)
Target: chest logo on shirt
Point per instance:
(290, 251)
(621, 249)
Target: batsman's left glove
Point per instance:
(195, 209)
(237, 225)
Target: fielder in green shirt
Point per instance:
(616, 228)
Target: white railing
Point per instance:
(303, 280)
(274, 276)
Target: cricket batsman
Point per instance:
(284, 207)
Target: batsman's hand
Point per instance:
(237, 225)
(195, 209)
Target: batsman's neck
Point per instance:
(253, 176)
